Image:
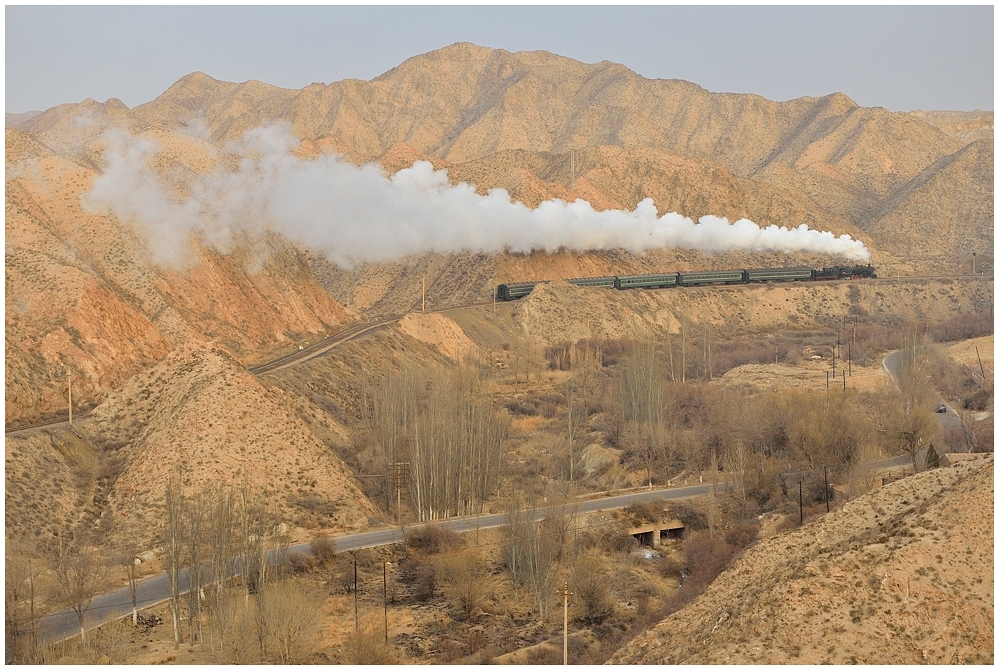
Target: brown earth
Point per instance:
(493, 119)
(971, 352)
(560, 312)
(504, 119)
(902, 575)
(440, 331)
(82, 293)
(161, 352)
(196, 412)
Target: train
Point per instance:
(518, 290)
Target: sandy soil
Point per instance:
(902, 575)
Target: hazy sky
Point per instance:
(901, 58)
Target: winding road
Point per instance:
(156, 589)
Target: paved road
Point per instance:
(948, 420)
(155, 589)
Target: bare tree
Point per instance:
(462, 577)
(252, 519)
(647, 402)
(197, 519)
(975, 435)
(21, 570)
(289, 623)
(79, 574)
(591, 587)
(532, 550)
(173, 548)
(125, 557)
(455, 452)
(914, 431)
(584, 362)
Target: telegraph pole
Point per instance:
(385, 598)
(825, 477)
(69, 386)
(801, 506)
(565, 624)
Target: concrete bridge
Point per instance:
(651, 534)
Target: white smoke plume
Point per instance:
(357, 214)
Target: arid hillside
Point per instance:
(543, 126)
(84, 295)
(196, 413)
(901, 575)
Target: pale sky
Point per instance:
(898, 57)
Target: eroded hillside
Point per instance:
(902, 575)
(544, 126)
(84, 293)
(197, 414)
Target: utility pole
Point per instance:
(69, 386)
(357, 624)
(844, 380)
(565, 624)
(801, 506)
(849, 359)
(385, 597)
(400, 470)
(825, 477)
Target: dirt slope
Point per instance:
(199, 409)
(901, 575)
(82, 292)
(560, 312)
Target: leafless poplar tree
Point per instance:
(455, 453)
(20, 618)
(80, 573)
(173, 548)
(197, 519)
(125, 557)
(647, 404)
(221, 552)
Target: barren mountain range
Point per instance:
(87, 303)
(917, 188)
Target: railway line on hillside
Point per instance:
(317, 349)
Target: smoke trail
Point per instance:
(355, 214)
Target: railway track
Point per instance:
(322, 347)
(280, 363)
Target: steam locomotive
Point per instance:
(671, 279)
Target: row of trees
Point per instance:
(669, 428)
(210, 538)
(449, 435)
